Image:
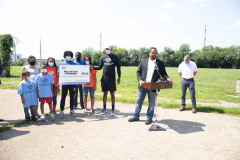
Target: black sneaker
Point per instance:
(133, 119)
(149, 121)
(35, 119)
(28, 120)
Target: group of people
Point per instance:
(42, 83)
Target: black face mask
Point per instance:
(32, 63)
(78, 58)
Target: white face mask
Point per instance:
(44, 70)
(87, 62)
(68, 58)
(108, 51)
(50, 64)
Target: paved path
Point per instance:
(188, 136)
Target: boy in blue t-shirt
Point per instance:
(44, 82)
(27, 90)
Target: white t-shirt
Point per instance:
(187, 70)
(151, 66)
(33, 72)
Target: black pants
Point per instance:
(54, 95)
(78, 88)
(65, 89)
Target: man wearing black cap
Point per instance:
(108, 62)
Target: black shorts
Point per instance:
(108, 83)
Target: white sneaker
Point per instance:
(43, 117)
(113, 113)
(72, 113)
(85, 111)
(61, 114)
(52, 116)
(104, 111)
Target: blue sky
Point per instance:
(75, 25)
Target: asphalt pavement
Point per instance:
(187, 136)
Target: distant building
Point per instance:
(15, 57)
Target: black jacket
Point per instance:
(142, 71)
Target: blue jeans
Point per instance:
(78, 88)
(85, 90)
(188, 84)
(151, 103)
(32, 108)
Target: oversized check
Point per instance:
(74, 74)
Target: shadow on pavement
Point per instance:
(12, 133)
(183, 127)
(98, 117)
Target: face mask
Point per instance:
(44, 70)
(68, 58)
(50, 64)
(108, 51)
(87, 62)
(187, 63)
(32, 63)
(78, 58)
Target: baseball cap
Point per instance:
(109, 47)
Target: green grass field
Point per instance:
(211, 86)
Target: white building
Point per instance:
(15, 57)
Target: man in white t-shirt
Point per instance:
(187, 70)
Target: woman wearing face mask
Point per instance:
(53, 70)
(91, 87)
(34, 71)
(31, 68)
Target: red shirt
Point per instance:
(53, 72)
(91, 79)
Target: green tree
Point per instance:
(87, 52)
(123, 56)
(143, 53)
(6, 45)
(168, 57)
(96, 57)
(20, 62)
(183, 51)
(134, 57)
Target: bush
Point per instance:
(20, 62)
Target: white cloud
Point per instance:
(236, 24)
(170, 5)
(164, 16)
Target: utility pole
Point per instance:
(100, 42)
(205, 36)
(40, 49)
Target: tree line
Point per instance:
(208, 57)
